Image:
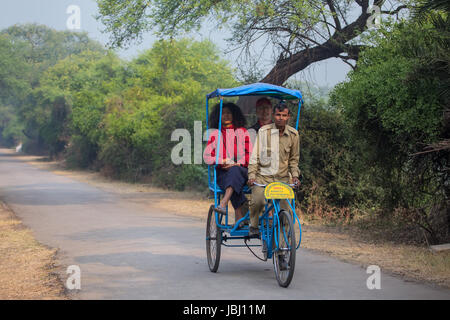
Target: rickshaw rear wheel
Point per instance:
(284, 256)
(213, 241)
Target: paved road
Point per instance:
(128, 250)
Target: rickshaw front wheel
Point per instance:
(213, 241)
(284, 255)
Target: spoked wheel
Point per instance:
(213, 241)
(284, 257)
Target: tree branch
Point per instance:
(334, 14)
(394, 11)
(332, 48)
(344, 59)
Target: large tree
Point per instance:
(300, 32)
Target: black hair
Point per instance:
(281, 106)
(239, 120)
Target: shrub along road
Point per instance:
(127, 249)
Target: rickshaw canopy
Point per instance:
(258, 89)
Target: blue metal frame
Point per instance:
(242, 233)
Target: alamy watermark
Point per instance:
(73, 282)
(264, 149)
(374, 20)
(374, 280)
(74, 20)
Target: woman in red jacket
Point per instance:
(233, 158)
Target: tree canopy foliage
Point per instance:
(298, 33)
(14, 87)
(397, 103)
(27, 52)
(83, 102)
(165, 91)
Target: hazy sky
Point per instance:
(53, 14)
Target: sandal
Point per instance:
(219, 209)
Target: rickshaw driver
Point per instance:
(289, 153)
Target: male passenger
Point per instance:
(263, 113)
(263, 172)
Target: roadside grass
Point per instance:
(27, 270)
(409, 261)
(364, 240)
(385, 243)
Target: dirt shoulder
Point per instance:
(411, 262)
(27, 268)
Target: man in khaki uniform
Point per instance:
(265, 167)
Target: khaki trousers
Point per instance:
(257, 204)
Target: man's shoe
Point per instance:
(253, 231)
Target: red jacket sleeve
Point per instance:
(209, 155)
(244, 146)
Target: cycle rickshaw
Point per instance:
(277, 226)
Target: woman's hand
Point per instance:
(227, 164)
(230, 165)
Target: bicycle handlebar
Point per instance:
(265, 185)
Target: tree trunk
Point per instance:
(333, 48)
(299, 61)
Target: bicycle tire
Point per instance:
(284, 256)
(213, 241)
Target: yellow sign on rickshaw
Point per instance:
(278, 190)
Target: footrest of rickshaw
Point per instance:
(239, 233)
